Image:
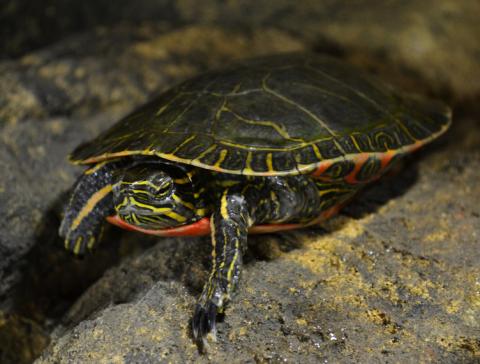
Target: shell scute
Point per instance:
(276, 115)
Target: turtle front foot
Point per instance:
(79, 244)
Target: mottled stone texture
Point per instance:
(434, 39)
(394, 278)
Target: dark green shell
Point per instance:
(276, 115)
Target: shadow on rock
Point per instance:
(395, 184)
(51, 281)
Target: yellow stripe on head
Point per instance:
(135, 219)
(145, 183)
(173, 215)
(167, 211)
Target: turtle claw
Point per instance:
(204, 323)
(79, 245)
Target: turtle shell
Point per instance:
(277, 115)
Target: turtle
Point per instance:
(266, 144)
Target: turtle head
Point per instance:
(150, 197)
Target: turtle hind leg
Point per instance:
(90, 202)
(229, 239)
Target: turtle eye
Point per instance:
(160, 185)
(161, 190)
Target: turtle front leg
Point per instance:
(89, 204)
(229, 225)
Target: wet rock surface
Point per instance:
(394, 278)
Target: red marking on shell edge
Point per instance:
(321, 169)
(415, 146)
(202, 226)
(198, 228)
(360, 160)
(385, 158)
(325, 215)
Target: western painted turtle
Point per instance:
(268, 144)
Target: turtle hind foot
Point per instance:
(204, 322)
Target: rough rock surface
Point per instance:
(393, 278)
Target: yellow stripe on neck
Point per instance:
(223, 206)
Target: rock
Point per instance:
(394, 278)
(26, 26)
(117, 69)
(435, 40)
